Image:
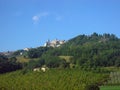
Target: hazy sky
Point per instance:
(29, 23)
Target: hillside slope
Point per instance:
(92, 50)
(85, 50)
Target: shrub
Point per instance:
(92, 87)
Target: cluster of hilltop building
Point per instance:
(54, 43)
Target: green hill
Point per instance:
(86, 50)
(92, 39)
(91, 50)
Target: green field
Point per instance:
(110, 88)
(67, 58)
(53, 79)
(22, 59)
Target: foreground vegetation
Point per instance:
(110, 88)
(54, 79)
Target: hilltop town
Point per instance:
(48, 43)
(54, 43)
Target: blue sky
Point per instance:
(29, 23)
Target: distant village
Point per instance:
(54, 43)
(48, 43)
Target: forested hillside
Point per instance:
(93, 50)
(81, 51)
(89, 50)
(84, 51)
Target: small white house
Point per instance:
(43, 69)
(36, 69)
(26, 49)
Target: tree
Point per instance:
(37, 52)
(117, 62)
(92, 87)
(7, 65)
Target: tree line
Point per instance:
(9, 64)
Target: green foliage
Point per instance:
(54, 61)
(17, 53)
(53, 79)
(110, 87)
(93, 50)
(49, 61)
(92, 87)
(37, 52)
(8, 65)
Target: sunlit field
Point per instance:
(53, 79)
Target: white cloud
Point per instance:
(36, 18)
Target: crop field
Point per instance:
(22, 59)
(114, 79)
(53, 79)
(113, 83)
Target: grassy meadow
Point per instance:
(22, 59)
